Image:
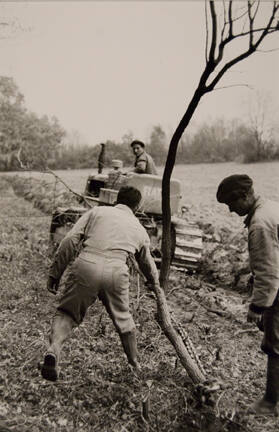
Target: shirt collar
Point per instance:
(124, 208)
(251, 213)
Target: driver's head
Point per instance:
(129, 196)
(137, 147)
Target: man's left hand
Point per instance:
(52, 285)
(254, 317)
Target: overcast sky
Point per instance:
(108, 67)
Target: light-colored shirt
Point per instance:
(144, 164)
(107, 229)
(263, 245)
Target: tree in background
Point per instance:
(220, 141)
(36, 138)
(11, 27)
(127, 138)
(40, 141)
(12, 114)
(238, 133)
(208, 143)
(261, 145)
(74, 152)
(157, 145)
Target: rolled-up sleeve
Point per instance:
(68, 247)
(264, 262)
(141, 164)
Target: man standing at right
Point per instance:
(262, 221)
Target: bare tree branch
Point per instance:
(268, 51)
(214, 32)
(206, 32)
(251, 23)
(271, 30)
(233, 85)
(230, 20)
(224, 21)
(252, 47)
(256, 9)
(49, 171)
(227, 66)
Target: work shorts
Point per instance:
(104, 277)
(270, 342)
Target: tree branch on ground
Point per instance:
(49, 171)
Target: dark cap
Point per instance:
(138, 143)
(232, 187)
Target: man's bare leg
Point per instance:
(61, 328)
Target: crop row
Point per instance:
(42, 194)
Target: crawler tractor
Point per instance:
(102, 189)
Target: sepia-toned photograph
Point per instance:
(139, 216)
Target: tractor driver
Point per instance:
(144, 163)
(108, 236)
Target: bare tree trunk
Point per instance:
(166, 210)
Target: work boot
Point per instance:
(267, 405)
(49, 368)
(263, 407)
(129, 343)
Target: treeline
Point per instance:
(33, 142)
(75, 154)
(221, 141)
(226, 141)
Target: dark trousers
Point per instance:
(270, 342)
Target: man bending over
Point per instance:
(107, 235)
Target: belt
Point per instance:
(89, 252)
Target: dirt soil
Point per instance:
(97, 391)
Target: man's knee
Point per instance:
(270, 344)
(271, 349)
(125, 326)
(62, 317)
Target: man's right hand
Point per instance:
(52, 285)
(254, 317)
(250, 285)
